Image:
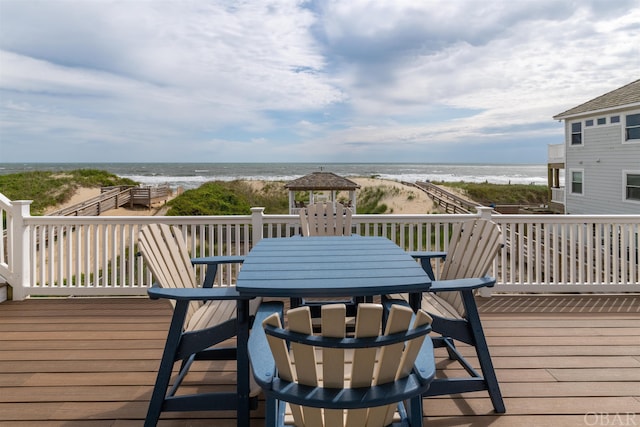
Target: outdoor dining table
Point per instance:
(327, 266)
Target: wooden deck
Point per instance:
(561, 361)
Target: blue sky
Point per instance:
(304, 81)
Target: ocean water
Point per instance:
(192, 175)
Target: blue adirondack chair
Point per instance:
(451, 303)
(364, 380)
(201, 320)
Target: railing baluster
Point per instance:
(96, 256)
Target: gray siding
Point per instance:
(602, 157)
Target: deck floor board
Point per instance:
(561, 360)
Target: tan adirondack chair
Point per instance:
(322, 219)
(364, 378)
(200, 322)
(472, 250)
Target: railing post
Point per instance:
(257, 224)
(484, 212)
(20, 260)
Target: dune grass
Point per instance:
(501, 194)
(48, 188)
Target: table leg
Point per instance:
(415, 300)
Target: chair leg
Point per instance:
(166, 364)
(415, 411)
(450, 345)
(271, 413)
(184, 369)
(482, 351)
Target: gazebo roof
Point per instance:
(321, 181)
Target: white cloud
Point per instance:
(302, 81)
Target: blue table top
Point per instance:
(329, 266)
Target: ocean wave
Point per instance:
(192, 175)
(189, 182)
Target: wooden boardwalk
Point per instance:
(561, 361)
(115, 197)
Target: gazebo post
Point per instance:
(352, 199)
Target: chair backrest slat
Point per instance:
(333, 318)
(325, 219)
(305, 361)
(165, 252)
(368, 322)
(472, 249)
(389, 361)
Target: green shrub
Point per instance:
(229, 198)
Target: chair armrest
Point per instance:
(427, 254)
(212, 263)
(262, 363)
(210, 260)
(196, 294)
(425, 365)
(462, 284)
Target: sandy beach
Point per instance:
(400, 199)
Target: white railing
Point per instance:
(555, 153)
(557, 195)
(97, 255)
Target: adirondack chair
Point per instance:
(365, 378)
(472, 249)
(320, 219)
(198, 324)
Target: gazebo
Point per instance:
(321, 181)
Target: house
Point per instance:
(600, 157)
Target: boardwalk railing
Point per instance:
(98, 255)
(115, 197)
(450, 202)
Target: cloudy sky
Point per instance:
(304, 81)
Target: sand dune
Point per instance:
(400, 198)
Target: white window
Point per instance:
(577, 181)
(632, 186)
(576, 133)
(632, 128)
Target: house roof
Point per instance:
(626, 95)
(321, 181)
